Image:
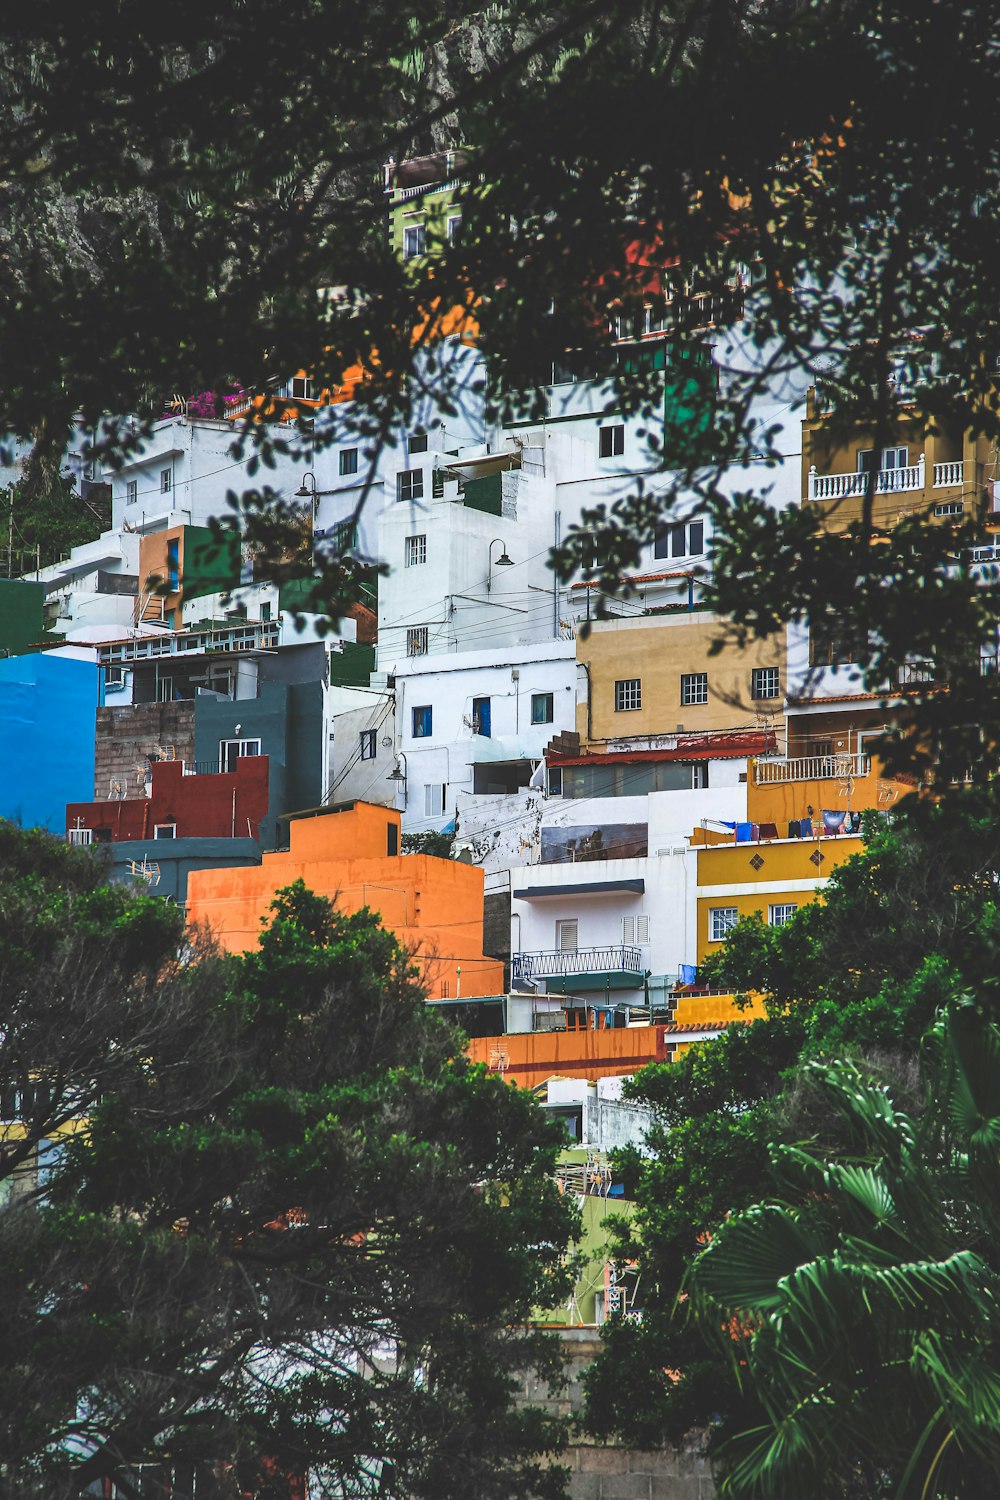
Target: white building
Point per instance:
(477, 722)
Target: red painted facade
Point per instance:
(229, 804)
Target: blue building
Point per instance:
(48, 704)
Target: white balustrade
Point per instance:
(847, 486)
(949, 475)
(811, 768)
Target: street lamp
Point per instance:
(503, 561)
(398, 775)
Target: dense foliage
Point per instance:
(259, 1211)
(862, 1298)
(176, 196)
(904, 926)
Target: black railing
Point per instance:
(617, 957)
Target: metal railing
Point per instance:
(578, 961)
(811, 768)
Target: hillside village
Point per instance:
(560, 802)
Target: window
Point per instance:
(628, 694)
(542, 708)
(410, 484)
(611, 440)
(415, 551)
(416, 640)
(165, 482)
(165, 690)
(764, 682)
(348, 460)
(721, 921)
(230, 751)
(417, 442)
(694, 688)
(568, 934)
(367, 738)
(684, 539)
(782, 913)
(173, 564)
(635, 930)
(114, 679)
(301, 388)
(950, 508)
(164, 830)
(414, 241)
(80, 836)
(102, 835)
(265, 613)
(423, 722)
(481, 717)
(434, 799)
(895, 458)
(454, 225)
(864, 460)
(131, 491)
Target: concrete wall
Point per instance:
(176, 859)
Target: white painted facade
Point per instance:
(530, 692)
(82, 590)
(362, 745)
(645, 903)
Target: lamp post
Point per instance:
(503, 561)
(398, 775)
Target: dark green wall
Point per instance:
(22, 623)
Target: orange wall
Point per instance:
(433, 906)
(533, 1056)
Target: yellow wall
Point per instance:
(658, 650)
(433, 906)
(836, 453)
(727, 876)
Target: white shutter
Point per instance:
(628, 931)
(642, 929)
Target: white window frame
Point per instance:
(548, 700)
(243, 748)
(567, 934)
(301, 388)
(628, 695)
(780, 912)
(417, 640)
(721, 921)
(166, 481)
(454, 225)
(435, 797)
(950, 508)
(415, 551)
(694, 689)
(410, 484)
(761, 677)
(611, 440)
(160, 830)
(131, 491)
(165, 690)
(414, 241)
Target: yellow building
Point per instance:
(657, 675)
(925, 468)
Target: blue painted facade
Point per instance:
(48, 707)
(176, 858)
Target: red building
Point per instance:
(227, 804)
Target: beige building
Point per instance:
(657, 675)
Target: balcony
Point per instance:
(615, 967)
(854, 484)
(811, 768)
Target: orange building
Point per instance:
(528, 1058)
(350, 854)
